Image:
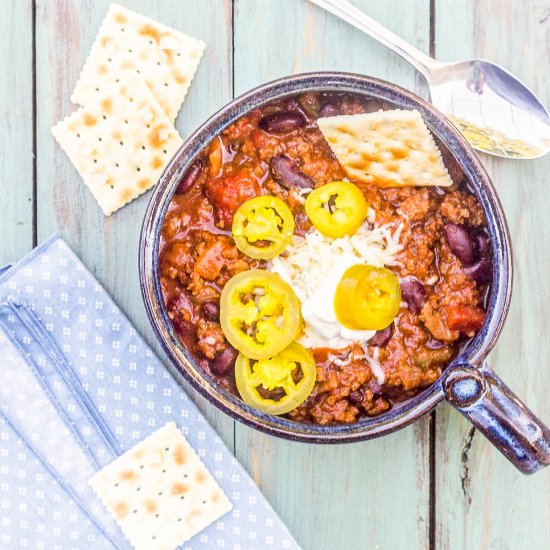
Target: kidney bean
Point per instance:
(482, 243)
(184, 327)
(461, 243)
(382, 337)
(285, 172)
(329, 109)
(180, 312)
(356, 397)
(223, 363)
(414, 294)
(190, 177)
(211, 311)
(481, 272)
(282, 123)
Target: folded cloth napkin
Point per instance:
(78, 387)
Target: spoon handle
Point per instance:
(354, 16)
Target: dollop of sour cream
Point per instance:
(313, 266)
(322, 327)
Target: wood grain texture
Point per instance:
(335, 497)
(16, 129)
(109, 246)
(482, 501)
(372, 495)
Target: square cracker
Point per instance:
(129, 43)
(120, 143)
(388, 148)
(159, 492)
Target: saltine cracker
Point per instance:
(120, 143)
(160, 492)
(387, 148)
(129, 43)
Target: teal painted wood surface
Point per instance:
(372, 495)
(481, 501)
(16, 129)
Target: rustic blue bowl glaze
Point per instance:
(460, 389)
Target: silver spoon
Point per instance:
(496, 112)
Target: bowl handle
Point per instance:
(493, 408)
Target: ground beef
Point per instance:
(416, 206)
(211, 341)
(459, 207)
(204, 263)
(177, 261)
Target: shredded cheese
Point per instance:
(374, 364)
(314, 264)
(307, 261)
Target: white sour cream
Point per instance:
(313, 267)
(322, 328)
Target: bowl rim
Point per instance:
(339, 82)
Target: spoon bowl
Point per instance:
(495, 111)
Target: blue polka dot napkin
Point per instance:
(78, 387)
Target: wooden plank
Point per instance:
(349, 496)
(275, 39)
(483, 502)
(109, 246)
(16, 130)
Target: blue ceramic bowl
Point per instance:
(466, 382)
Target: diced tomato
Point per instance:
(210, 262)
(227, 193)
(466, 319)
(216, 157)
